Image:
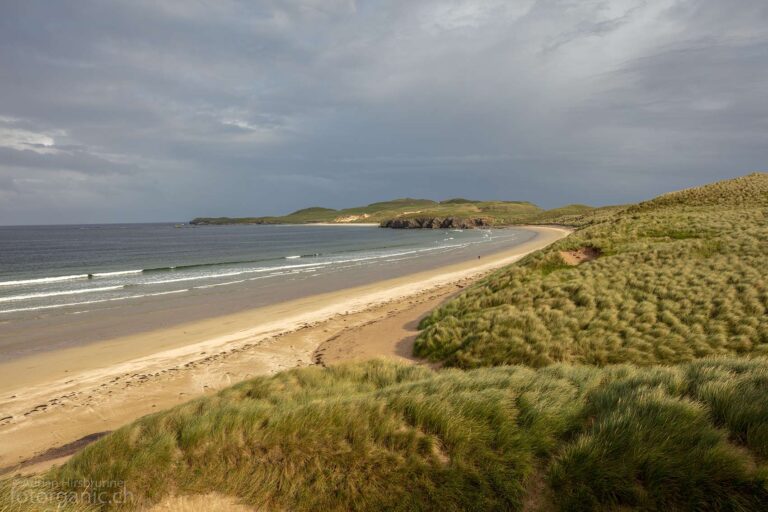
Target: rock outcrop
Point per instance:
(435, 223)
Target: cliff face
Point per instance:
(435, 223)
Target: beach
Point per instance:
(53, 398)
(62, 287)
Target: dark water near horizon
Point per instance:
(46, 269)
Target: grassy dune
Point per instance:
(383, 436)
(675, 281)
(638, 381)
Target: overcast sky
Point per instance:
(148, 110)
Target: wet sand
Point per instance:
(51, 399)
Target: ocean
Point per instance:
(65, 269)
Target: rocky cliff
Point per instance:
(435, 223)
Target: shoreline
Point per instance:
(55, 398)
(148, 307)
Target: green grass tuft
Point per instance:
(674, 283)
(379, 435)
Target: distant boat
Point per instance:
(180, 225)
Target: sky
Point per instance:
(147, 110)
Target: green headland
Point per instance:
(417, 213)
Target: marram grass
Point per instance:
(676, 281)
(383, 436)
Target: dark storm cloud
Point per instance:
(143, 110)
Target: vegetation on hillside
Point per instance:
(675, 281)
(745, 191)
(383, 436)
(575, 215)
(492, 212)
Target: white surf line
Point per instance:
(69, 304)
(116, 273)
(58, 279)
(16, 298)
(42, 280)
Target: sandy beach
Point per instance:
(52, 403)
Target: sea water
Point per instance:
(50, 268)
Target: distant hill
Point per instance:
(458, 200)
(398, 203)
(416, 213)
(313, 210)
